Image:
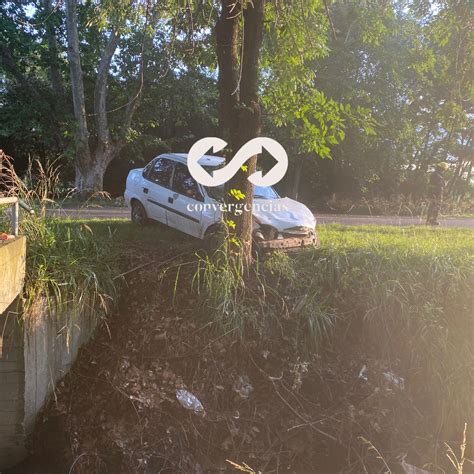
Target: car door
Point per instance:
(185, 209)
(156, 188)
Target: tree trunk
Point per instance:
(83, 152)
(90, 178)
(105, 150)
(240, 113)
(460, 167)
(227, 36)
(55, 76)
(90, 167)
(250, 120)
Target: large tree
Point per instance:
(267, 50)
(239, 108)
(91, 162)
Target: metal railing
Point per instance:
(14, 202)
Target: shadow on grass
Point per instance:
(123, 230)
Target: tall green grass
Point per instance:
(408, 293)
(67, 265)
(405, 294)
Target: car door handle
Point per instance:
(145, 190)
(170, 200)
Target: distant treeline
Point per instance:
(401, 72)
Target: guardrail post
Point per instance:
(15, 219)
(14, 202)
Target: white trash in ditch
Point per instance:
(190, 402)
(243, 386)
(398, 382)
(410, 468)
(363, 373)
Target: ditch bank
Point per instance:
(355, 357)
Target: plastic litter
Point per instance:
(4, 236)
(243, 386)
(410, 468)
(398, 382)
(363, 373)
(190, 401)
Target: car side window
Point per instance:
(185, 184)
(161, 171)
(146, 170)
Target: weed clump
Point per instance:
(67, 266)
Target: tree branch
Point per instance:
(227, 33)
(100, 92)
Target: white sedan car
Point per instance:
(166, 192)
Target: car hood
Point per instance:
(283, 213)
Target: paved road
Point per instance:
(466, 222)
(120, 212)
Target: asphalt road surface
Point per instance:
(121, 212)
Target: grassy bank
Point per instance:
(397, 301)
(407, 294)
(68, 263)
(364, 342)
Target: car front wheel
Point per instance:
(138, 213)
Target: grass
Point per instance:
(220, 282)
(74, 261)
(97, 200)
(399, 206)
(402, 273)
(121, 231)
(67, 266)
(405, 294)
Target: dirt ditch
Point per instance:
(263, 407)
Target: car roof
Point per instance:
(206, 160)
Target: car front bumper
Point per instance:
(288, 243)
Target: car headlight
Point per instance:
(265, 232)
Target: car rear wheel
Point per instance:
(138, 213)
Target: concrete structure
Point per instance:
(12, 270)
(35, 351)
(34, 356)
(12, 388)
(12, 364)
(51, 345)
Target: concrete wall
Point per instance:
(51, 346)
(12, 270)
(34, 357)
(12, 387)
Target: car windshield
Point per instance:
(264, 192)
(259, 192)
